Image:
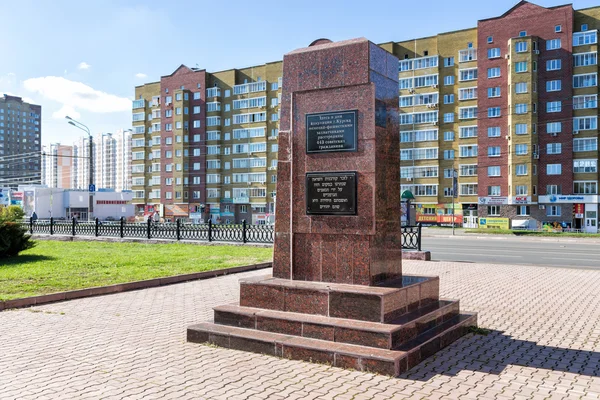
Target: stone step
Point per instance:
(364, 333)
(362, 358)
(382, 303)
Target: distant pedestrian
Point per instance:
(34, 216)
(156, 217)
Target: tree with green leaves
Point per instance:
(13, 237)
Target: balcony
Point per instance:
(467, 55)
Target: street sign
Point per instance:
(92, 188)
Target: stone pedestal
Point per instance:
(337, 293)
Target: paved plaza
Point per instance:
(544, 342)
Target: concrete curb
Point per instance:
(125, 287)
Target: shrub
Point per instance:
(13, 237)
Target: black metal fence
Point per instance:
(241, 233)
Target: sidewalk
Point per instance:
(544, 343)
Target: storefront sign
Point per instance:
(521, 200)
(494, 223)
(569, 199)
(493, 201)
(579, 210)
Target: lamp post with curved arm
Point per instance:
(84, 128)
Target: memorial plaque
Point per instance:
(331, 193)
(331, 132)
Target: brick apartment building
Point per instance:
(511, 106)
(20, 142)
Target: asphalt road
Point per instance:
(567, 253)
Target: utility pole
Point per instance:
(91, 187)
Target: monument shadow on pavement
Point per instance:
(337, 294)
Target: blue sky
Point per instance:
(84, 58)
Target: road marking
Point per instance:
(476, 255)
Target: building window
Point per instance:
(553, 86)
(467, 132)
(587, 144)
(521, 149)
(448, 98)
(521, 87)
(494, 171)
(494, 191)
(554, 127)
(490, 39)
(494, 92)
(583, 102)
(449, 80)
(468, 151)
(448, 154)
(583, 38)
(448, 136)
(553, 189)
(493, 211)
(493, 72)
(521, 190)
(493, 112)
(554, 169)
(521, 169)
(494, 151)
(521, 66)
(449, 117)
(467, 112)
(584, 59)
(523, 211)
(553, 211)
(521, 47)
(448, 61)
(585, 80)
(522, 33)
(553, 65)
(585, 187)
(494, 131)
(521, 129)
(553, 148)
(494, 52)
(521, 108)
(553, 106)
(585, 123)
(585, 166)
(553, 44)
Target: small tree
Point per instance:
(13, 237)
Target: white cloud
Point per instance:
(141, 75)
(77, 95)
(84, 65)
(64, 111)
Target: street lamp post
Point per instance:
(84, 128)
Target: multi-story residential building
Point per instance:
(57, 166)
(206, 143)
(509, 107)
(111, 155)
(20, 142)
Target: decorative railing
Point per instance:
(240, 233)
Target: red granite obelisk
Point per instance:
(337, 294)
(362, 249)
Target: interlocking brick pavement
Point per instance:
(544, 343)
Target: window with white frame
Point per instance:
(585, 144)
(585, 101)
(213, 164)
(553, 86)
(448, 117)
(493, 52)
(448, 98)
(448, 154)
(494, 171)
(493, 72)
(467, 93)
(585, 80)
(493, 112)
(467, 112)
(449, 80)
(521, 190)
(138, 116)
(494, 151)
(585, 166)
(554, 127)
(583, 38)
(553, 148)
(521, 169)
(419, 136)
(493, 92)
(426, 190)
(553, 169)
(521, 108)
(469, 54)
(448, 136)
(521, 47)
(521, 87)
(213, 135)
(553, 189)
(448, 61)
(468, 189)
(467, 132)
(426, 80)
(585, 123)
(521, 66)
(585, 187)
(250, 103)
(468, 151)
(430, 153)
(213, 150)
(521, 149)
(521, 129)
(466, 170)
(523, 211)
(553, 211)
(553, 44)
(425, 98)
(468, 74)
(553, 65)
(213, 121)
(494, 131)
(418, 118)
(585, 59)
(493, 211)
(553, 106)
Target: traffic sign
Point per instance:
(92, 188)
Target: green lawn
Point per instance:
(52, 266)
